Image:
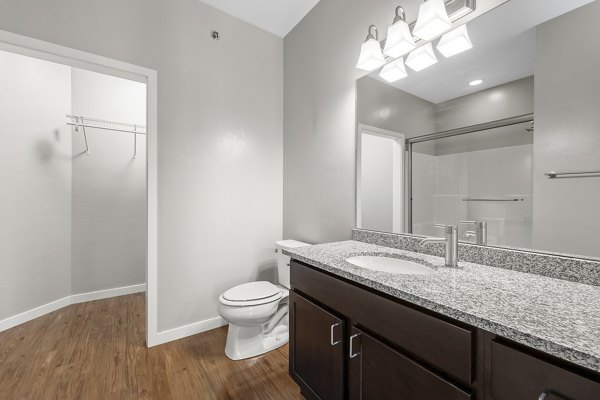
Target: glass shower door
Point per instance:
(483, 176)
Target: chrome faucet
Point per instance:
(451, 240)
(480, 232)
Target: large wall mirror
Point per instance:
(502, 140)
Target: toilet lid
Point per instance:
(253, 292)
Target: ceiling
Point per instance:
(503, 51)
(278, 17)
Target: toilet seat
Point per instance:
(251, 294)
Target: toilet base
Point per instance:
(251, 341)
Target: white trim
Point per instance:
(42, 310)
(398, 186)
(52, 52)
(152, 210)
(34, 313)
(397, 174)
(189, 330)
(107, 293)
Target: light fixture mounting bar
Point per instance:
(456, 9)
(459, 8)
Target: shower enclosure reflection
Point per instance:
(478, 177)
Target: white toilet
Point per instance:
(257, 312)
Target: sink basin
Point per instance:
(389, 264)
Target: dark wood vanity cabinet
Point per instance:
(317, 360)
(517, 375)
(351, 342)
(379, 372)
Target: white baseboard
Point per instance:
(37, 312)
(188, 330)
(160, 338)
(108, 293)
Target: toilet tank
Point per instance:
(283, 261)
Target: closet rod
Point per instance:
(575, 174)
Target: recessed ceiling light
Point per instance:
(476, 82)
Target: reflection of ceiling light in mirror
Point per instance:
(399, 39)
(421, 58)
(371, 56)
(394, 71)
(432, 21)
(476, 82)
(455, 42)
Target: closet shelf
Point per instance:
(79, 121)
(494, 199)
(82, 122)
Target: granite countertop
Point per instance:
(555, 316)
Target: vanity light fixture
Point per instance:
(455, 42)
(371, 56)
(399, 39)
(394, 71)
(421, 58)
(432, 21)
(476, 82)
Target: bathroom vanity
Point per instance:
(474, 332)
(498, 146)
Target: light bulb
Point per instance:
(432, 21)
(455, 42)
(394, 71)
(371, 56)
(421, 58)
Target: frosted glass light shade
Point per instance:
(371, 56)
(394, 71)
(432, 21)
(455, 42)
(399, 40)
(421, 58)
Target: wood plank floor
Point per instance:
(97, 350)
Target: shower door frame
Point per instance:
(444, 134)
(27, 46)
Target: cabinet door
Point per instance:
(517, 375)
(316, 350)
(378, 372)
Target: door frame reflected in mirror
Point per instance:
(399, 203)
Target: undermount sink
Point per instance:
(389, 264)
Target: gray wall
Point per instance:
(35, 174)
(386, 107)
(320, 55)
(108, 187)
(504, 101)
(219, 141)
(567, 136)
(319, 113)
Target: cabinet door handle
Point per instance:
(352, 354)
(332, 340)
(549, 395)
